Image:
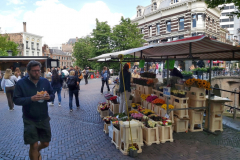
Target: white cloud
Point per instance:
(57, 22)
(15, 2)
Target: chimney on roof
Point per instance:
(24, 27)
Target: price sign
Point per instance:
(167, 91)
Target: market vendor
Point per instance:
(174, 71)
(135, 74)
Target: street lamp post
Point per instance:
(9, 52)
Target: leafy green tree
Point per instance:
(126, 35)
(82, 50)
(6, 45)
(216, 3)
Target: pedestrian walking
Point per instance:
(73, 83)
(127, 78)
(157, 68)
(9, 82)
(48, 75)
(85, 75)
(33, 93)
(56, 84)
(17, 73)
(79, 75)
(105, 76)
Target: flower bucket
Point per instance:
(132, 153)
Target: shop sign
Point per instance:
(167, 91)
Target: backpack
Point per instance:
(63, 75)
(105, 76)
(72, 83)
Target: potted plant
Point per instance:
(137, 116)
(182, 94)
(187, 74)
(194, 71)
(133, 151)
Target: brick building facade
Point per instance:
(65, 58)
(168, 20)
(68, 47)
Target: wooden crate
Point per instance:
(137, 97)
(215, 121)
(161, 96)
(147, 90)
(105, 129)
(137, 136)
(197, 93)
(196, 120)
(104, 113)
(170, 99)
(180, 103)
(150, 135)
(163, 113)
(165, 133)
(116, 137)
(139, 88)
(156, 109)
(156, 92)
(180, 125)
(115, 108)
(216, 106)
(149, 105)
(144, 103)
(196, 103)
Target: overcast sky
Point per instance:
(59, 20)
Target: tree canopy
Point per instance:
(6, 45)
(103, 39)
(216, 3)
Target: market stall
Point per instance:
(177, 105)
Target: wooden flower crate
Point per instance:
(156, 92)
(215, 121)
(161, 96)
(197, 93)
(150, 135)
(147, 90)
(180, 125)
(180, 103)
(196, 120)
(137, 136)
(149, 105)
(216, 106)
(196, 103)
(156, 109)
(105, 130)
(139, 88)
(165, 133)
(137, 96)
(115, 108)
(104, 113)
(163, 113)
(144, 103)
(116, 137)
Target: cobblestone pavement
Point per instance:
(79, 135)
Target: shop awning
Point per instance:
(198, 47)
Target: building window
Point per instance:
(32, 46)
(231, 26)
(181, 23)
(181, 37)
(32, 53)
(27, 45)
(158, 28)
(155, 6)
(194, 34)
(27, 53)
(142, 30)
(168, 26)
(37, 46)
(194, 21)
(174, 1)
(139, 12)
(62, 63)
(150, 31)
(231, 7)
(37, 53)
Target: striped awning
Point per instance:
(198, 47)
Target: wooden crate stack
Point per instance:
(216, 111)
(197, 98)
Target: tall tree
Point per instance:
(126, 35)
(6, 45)
(216, 3)
(83, 50)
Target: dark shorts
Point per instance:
(36, 131)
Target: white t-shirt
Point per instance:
(66, 73)
(9, 82)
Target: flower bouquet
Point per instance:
(114, 99)
(135, 105)
(158, 101)
(144, 96)
(150, 82)
(104, 107)
(164, 106)
(116, 124)
(150, 124)
(133, 111)
(107, 119)
(147, 112)
(108, 96)
(137, 116)
(151, 98)
(155, 117)
(165, 122)
(114, 119)
(198, 83)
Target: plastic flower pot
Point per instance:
(132, 153)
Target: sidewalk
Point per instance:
(79, 135)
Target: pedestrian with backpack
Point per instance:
(105, 77)
(57, 86)
(79, 75)
(73, 83)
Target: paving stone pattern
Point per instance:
(79, 135)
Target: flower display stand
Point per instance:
(196, 120)
(147, 90)
(163, 113)
(156, 109)
(165, 133)
(215, 121)
(106, 127)
(150, 135)
(137, 136)
(137, 96)
(110, 132)
(170, 99)
(216, 106)
(104, 113)
(180, 125)
(180, 103)
(115, 108)
(197, 97)
(116, 137)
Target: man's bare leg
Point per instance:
(42, 145)
(33, 152)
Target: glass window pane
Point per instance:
(231, 26)
(194, 23)
(231, 7)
